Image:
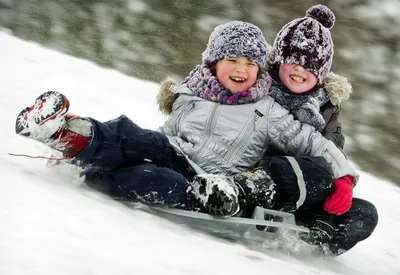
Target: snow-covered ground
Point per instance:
(52, 224)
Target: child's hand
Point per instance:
(309, 113)
(340, 200)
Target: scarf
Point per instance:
(304, 107)
(204, 84)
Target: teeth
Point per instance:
(238, 79)
(297, 78)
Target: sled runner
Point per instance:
(264, 224)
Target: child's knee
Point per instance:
(300, 181)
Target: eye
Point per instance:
(231, 60)
(252, 64)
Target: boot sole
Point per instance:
(220, 204)
(61, 106)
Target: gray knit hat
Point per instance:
(307, 42)
(236, 38)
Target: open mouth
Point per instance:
(297, 78)
(237, 79)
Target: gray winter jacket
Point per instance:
(228, 139)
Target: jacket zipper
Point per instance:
(244, 135)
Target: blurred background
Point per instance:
(152, 39)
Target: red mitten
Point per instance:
(339, 201)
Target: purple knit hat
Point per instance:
(307, 42)
(236, 38)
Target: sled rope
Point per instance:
(35, 157)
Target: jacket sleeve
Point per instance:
(333, 126)
(294, 138)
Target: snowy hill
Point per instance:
(50, 223)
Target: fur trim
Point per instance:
(337, 87)
(165, 98)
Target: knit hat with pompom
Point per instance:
(236, 38)
(307, 42)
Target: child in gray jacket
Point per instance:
(223, 129)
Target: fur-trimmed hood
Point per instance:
(337, 87)
(165, 97)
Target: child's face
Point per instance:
(237, 74)
(296, 78)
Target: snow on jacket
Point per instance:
(228, 139)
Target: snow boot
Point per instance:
(321, 230)
(257, 188)
(217, 193)
(226, 196)
(47, 121)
